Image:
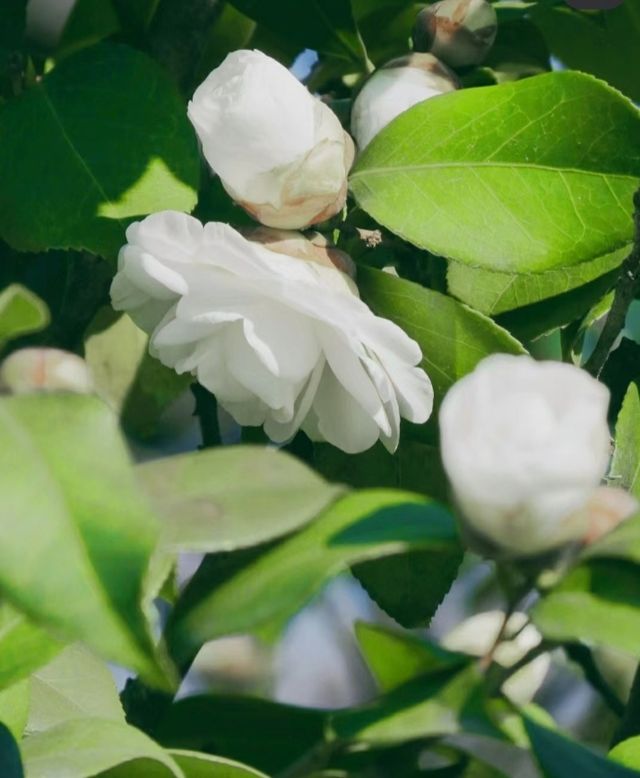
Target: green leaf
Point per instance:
(24, 646)
(10, 761)
(494, 293)
(85, 747)
(192, 764)
(625, 467)
(453, 338)
(385, 25)
(89, 22)
(13, 15)
(280, 734)
(324, 25)
(397, 657)
(102, 154)
(21, 312)
(604, 43)
(410, 587)
(522, 177)
(207, 506)
(598, 602)
(560, 757)
(627, 752)
(14, 708)
(75, 685)
(268, 591)
(77, 534)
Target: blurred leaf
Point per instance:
(24, 646)
(21, 312)
(522, 177)
(136, 15)
(385, 26)
(324, 25)
(508, 760)
(518, 51)
(453, 338)
(232, 30)
(77, 535)
(10, 761)
(89, 22)
(598, 602)
(627, 752)
(397, 657)
(233, 497)
(622, 367)
(279, 734)
(605, 43)
(625, 467)
(560, 757)
(102, 154)
(85, 747)
(493, 293)
(13, 15)
(397, 583)
(14, 708)
(76, 685)
(367, 525)
(192, 764)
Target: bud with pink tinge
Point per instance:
(45, 370)
(459, 32)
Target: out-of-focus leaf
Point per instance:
(77, 533)
(627, 753)
(519, 50)
(625, 467)
(89, 22)
(367, 525)
(102, 155)
(24, 646)
(10, 761)
(280, 734)
(75, 685)
(523, 177)
(21, 312)
(192, 764)
(233, 497)
(14, 708)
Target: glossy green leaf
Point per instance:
(85, 747)
(598, 602)
(10, 761)
(233, 497)
(453, 338)
(493, 293)
(521, 177)
(21, 312)
(560, 757)
(280, 734)
(77, 534)
(367, 525)
(604, 43)
(75, 685)
(324, 25)
(102, 154)
(24, 646)
(625, 467)
(14, 708)
(397, 657)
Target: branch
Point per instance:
(207, 412)
(625, 292)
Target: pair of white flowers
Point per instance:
(272, 324)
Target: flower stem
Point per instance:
(625, 292)
(207, 413)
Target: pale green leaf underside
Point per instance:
(521, 177)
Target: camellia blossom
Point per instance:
(393, 89)
(274, 327)
(525, 445)
(280, 152)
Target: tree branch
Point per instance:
(625, 292)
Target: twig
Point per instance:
(625, 292)
(207, 412)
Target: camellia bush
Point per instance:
(386, 254)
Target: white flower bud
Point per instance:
(393, 89)
(524, 445)
(280, 152)
(459, 32)
(45, 370)
(274, 327)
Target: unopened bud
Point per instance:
(393, 89)
(45, 370)
(459, 32)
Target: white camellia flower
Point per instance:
(525, 445)
(393, 89)
(273, 327)
(280, 152)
